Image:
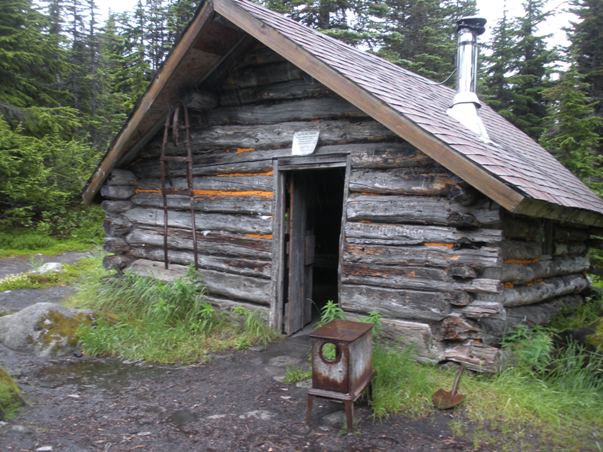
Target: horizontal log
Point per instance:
(116, 206)
(479, 309)
(455, 329)
(150, 169)
(522, 274)
(251, 224)
(116, 225)
(156, 270)
(226, 183)
(243, 205)
(541, 291)
(213, 243)
(419, 210)
(463, 194)
(392, 234)
(265, 74)
(115, 245)
(295, 110)
(117, 191)
(121, 177)
(479, 258)
(248, 267)
(477, 357)
(570, 249)
(224, 304)
(401, 182)
(415, 336)
(518, 250)
(198, 100)
(414, 278)
(400, 304)
(567, 234)
(541, 313)
(116, 261)
(295, 89)
(394, 155)
(228, 285)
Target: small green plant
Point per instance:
(296, 374)
(255, 326)
(329, 312)
(530, 349)
(10, 396)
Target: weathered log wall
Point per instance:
(445, 269)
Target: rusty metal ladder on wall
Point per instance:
(173, 122)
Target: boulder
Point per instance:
(49, 267)
(44, 328)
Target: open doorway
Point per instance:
(312, 217)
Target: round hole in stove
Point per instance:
(329, 352)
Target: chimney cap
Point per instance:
(474, 23)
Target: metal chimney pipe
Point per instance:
(466, 103)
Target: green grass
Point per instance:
(70, 274)
(164, 322)
(10, 396)
(296, 374)
(24, 243)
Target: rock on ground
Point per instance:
(44, 328)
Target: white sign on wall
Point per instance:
(304, 142)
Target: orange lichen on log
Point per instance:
(259, 236)
(438, 244)
(147, 190)
(261, 173)
(508, 285)
(243, 150)
(233, 193)
(521, 261)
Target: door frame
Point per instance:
(281, 167)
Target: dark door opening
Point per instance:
(313, 209)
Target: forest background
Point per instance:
(68, 81)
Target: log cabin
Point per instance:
(292, 169)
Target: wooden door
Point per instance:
(301, 256)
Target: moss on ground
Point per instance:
(59, 330)
(10, 396)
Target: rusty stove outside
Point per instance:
(344, 374)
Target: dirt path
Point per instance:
(20, 264)
(231, 403)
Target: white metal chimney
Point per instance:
(465, 104)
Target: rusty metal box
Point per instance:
(349, 369)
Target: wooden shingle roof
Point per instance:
(512, 169)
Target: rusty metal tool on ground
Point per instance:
(444, 400)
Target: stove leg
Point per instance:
(309, 409)
(349, 414)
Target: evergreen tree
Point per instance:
(586, 36)
(179, 14)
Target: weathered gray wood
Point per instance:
(212, 243)
(149, 169)
(479, 258)
(117, 191)
(227, 183)
(479, 309)
(241, 205)
(419, 210)
(401, 304)
(237, 287)
(262, 75)
(477, 357)
(121, 177)
(570, 249)
(463, 194)
(549, 288)
(156, 269)
(513, 250)
(198, 100)
(116, 206)
(415, 278)
(541, 313)
(115, 245)
(297, 110)
(391, 155)
(522, 274)
(457, 329)
(295, 89)
(414, 335)
(251, 224)
(516, 227)
(567, 234)
(224, 304)
(116, 225)
(400, 181)
(248, 267)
